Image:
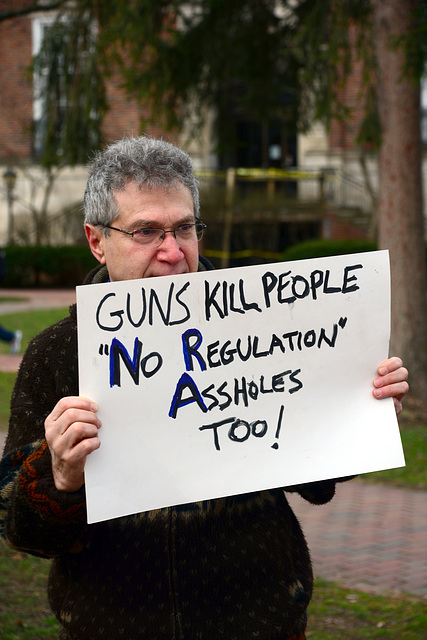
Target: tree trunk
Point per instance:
(400, 211)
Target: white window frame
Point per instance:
(38, 24)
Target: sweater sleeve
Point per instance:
(34, 516)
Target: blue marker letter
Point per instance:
(178, 401)
(191, 350)
(119, 350)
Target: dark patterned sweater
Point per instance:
(236, 568)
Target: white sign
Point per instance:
(225, 382)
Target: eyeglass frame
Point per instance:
(164, 231)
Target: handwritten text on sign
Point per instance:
(224, 382)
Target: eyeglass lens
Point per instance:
(182, 233)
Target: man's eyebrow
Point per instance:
(155, 224)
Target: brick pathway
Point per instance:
(36, 299)
(370, 537)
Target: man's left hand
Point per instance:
(392, 382)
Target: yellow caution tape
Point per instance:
(246, 253)
(263, 174)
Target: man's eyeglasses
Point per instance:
(154, 237)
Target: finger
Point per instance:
(389, 365)
(73, 458)
(69, 402)
(397, 390)
(395, 377)
(66, 412)
(69, 456)
(69, 418)
(73, 435)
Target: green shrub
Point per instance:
(326, 248)
(47, 266)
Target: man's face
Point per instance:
(155, 208)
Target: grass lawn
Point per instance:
(334, 614)
(346, 614)
(7, 380)
(30, 323)
(12, 299)
(24, 610)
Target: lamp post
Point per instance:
(9, 177)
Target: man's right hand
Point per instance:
(72, 434)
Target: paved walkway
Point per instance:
(370, 537)
(31, 299)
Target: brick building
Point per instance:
(19, 40)
(335, 150)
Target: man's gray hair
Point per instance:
(150, 163)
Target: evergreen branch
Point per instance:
(35, 7)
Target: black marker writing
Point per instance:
(224, 299)
(240, 430)
(148, 365)
(112, 312)
(238, 391)
(279, 426)
(289, 288)
(216, 354)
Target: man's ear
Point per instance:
(96, 240)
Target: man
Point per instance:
(232, 568)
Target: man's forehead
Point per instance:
(147, 188)
(152, 202)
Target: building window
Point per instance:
(68, 91)
(40, 28)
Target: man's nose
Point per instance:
(169, 249)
